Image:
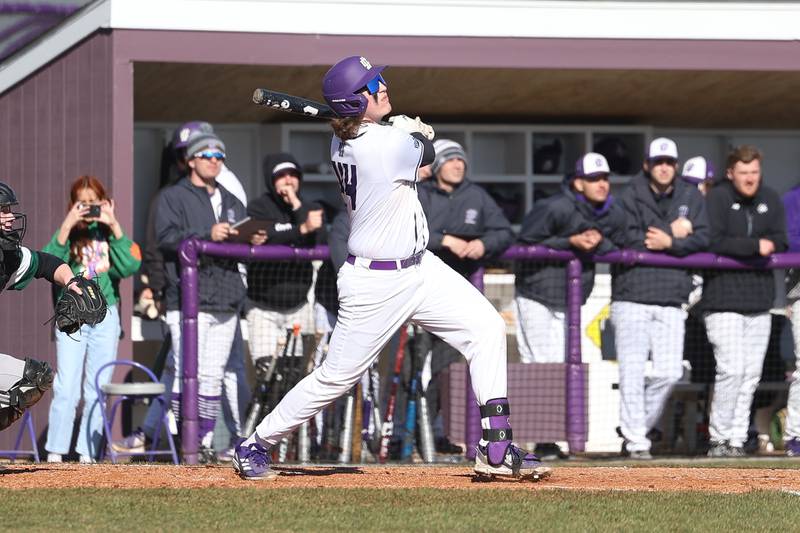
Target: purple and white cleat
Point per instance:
(517, 464)
(252, 463)
(792, 447)
(500, 456)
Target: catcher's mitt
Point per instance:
(73, 309)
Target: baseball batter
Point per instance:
(388, 279)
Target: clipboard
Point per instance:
(247, 227)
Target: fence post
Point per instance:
(188, 256)
(575, 379)
(472, 422)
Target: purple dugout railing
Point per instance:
(192, 249)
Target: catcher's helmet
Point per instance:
(343, 82)
(13, 231)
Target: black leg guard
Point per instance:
(9, 415)
(37, 378)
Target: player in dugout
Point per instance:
(747, 220)
(668, 215)
(585, 218)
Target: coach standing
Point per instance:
(668, 215)
(747, 220)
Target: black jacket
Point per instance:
(182, 211)
(657, 285)
(551, 223)
(737, 224)
(281, 285)
(325, 291)
(468, 213)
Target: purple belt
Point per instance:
(391, 265)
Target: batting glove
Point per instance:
(411, 125)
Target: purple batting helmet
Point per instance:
(344, 81)
(188, 131)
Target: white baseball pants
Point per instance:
(540, 332)
(267, 329)
(215, 333)
(793, 405)
(740, 344)
(644, 331)
(373, 305)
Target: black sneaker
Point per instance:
(207, 456)
(444, 446)
(549, 451)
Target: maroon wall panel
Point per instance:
(54, 126)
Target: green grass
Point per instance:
(394, 510)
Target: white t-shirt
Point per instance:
(216, 204)
(377, 174)
(232, 184)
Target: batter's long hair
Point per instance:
(346, 128)
(80, 235)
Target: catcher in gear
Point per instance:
(23, 381)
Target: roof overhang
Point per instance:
(520, 19)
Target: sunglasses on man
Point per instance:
(210, 154)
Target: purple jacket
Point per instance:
(791, 205)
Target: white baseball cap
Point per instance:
(663, 148)
(697, 170)
(591, 164)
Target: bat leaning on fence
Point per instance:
(411, 406)
(285, 448)
(388, 421)
(265, 371)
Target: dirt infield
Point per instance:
(727, 480)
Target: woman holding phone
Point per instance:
(92, 242)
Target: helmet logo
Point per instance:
(365, 63)
(184, 134)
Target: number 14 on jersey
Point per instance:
(347, 175)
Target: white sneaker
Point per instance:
(133, 443)
(86, 460)
(54, 458)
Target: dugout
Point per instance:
(100, 91)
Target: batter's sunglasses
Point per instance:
(374, 85)
(208, 154)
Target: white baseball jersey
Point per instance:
(386, 218)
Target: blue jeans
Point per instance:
(96, 345)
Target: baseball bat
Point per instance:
(293, 376)
(260, 401)
(411, 420)
(358, 414)
(293, 104)
(374, 419)
(411, 406)
(347, 428)
(388, 422)
(427, 447)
